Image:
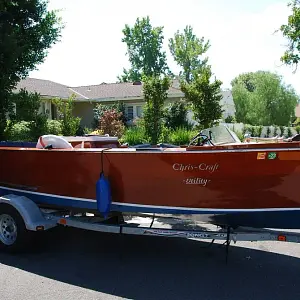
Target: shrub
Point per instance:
(289, 132)
(252, 130)
(38, 127)
(27, 106)
(70, 124)
(20, 132)
(135, 136)
(259, 131)
(100, 109)
(27, 109)
(247, 129)
(268, 132)
(165, 134)
(281, 130)
(87, 130)
(54, 127)
(181, 136)
(230, 119)
(278, 130)
(239, 135)
(297, 122)
(111, 124)
(176, 115)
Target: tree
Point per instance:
(144, 49)
(291, 31)
(205, 98)
(261, 98)
(247, 79)
(186, 50)
(155, 91)
(27, 30)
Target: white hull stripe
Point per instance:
(155, 206)
(47, 195)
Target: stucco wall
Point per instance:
(84, 110)
(297, 111)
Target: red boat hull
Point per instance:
(211, 180)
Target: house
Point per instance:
(86, 97)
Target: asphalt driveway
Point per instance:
(75, 264)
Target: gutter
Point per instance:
(96, 100)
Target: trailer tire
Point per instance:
(14, 236)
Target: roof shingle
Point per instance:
(45, 88)
(124, 90)
(115, 90)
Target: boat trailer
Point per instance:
(20, 217)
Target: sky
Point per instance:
(241, 33)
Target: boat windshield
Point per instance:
(221, 135)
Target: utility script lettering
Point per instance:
(201, 167)
(197, 180)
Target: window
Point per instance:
(139, 111)
(129, 112)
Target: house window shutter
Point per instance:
(129, 112)
(139, 111)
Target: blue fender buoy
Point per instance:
(103, 195)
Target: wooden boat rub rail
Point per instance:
(162, 150)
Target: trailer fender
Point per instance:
(29, 211)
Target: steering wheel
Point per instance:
(198, 141)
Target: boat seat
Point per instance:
(83, 144)
(53, 142)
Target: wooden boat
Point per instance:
(216, 178)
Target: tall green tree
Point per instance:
(144, 49)
(27, 31)
(155, 90)
(187, 50)
(291, 31)
(205, 97)
(261, 98)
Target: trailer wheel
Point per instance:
(14, 237)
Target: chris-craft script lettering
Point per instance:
(211, 168)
